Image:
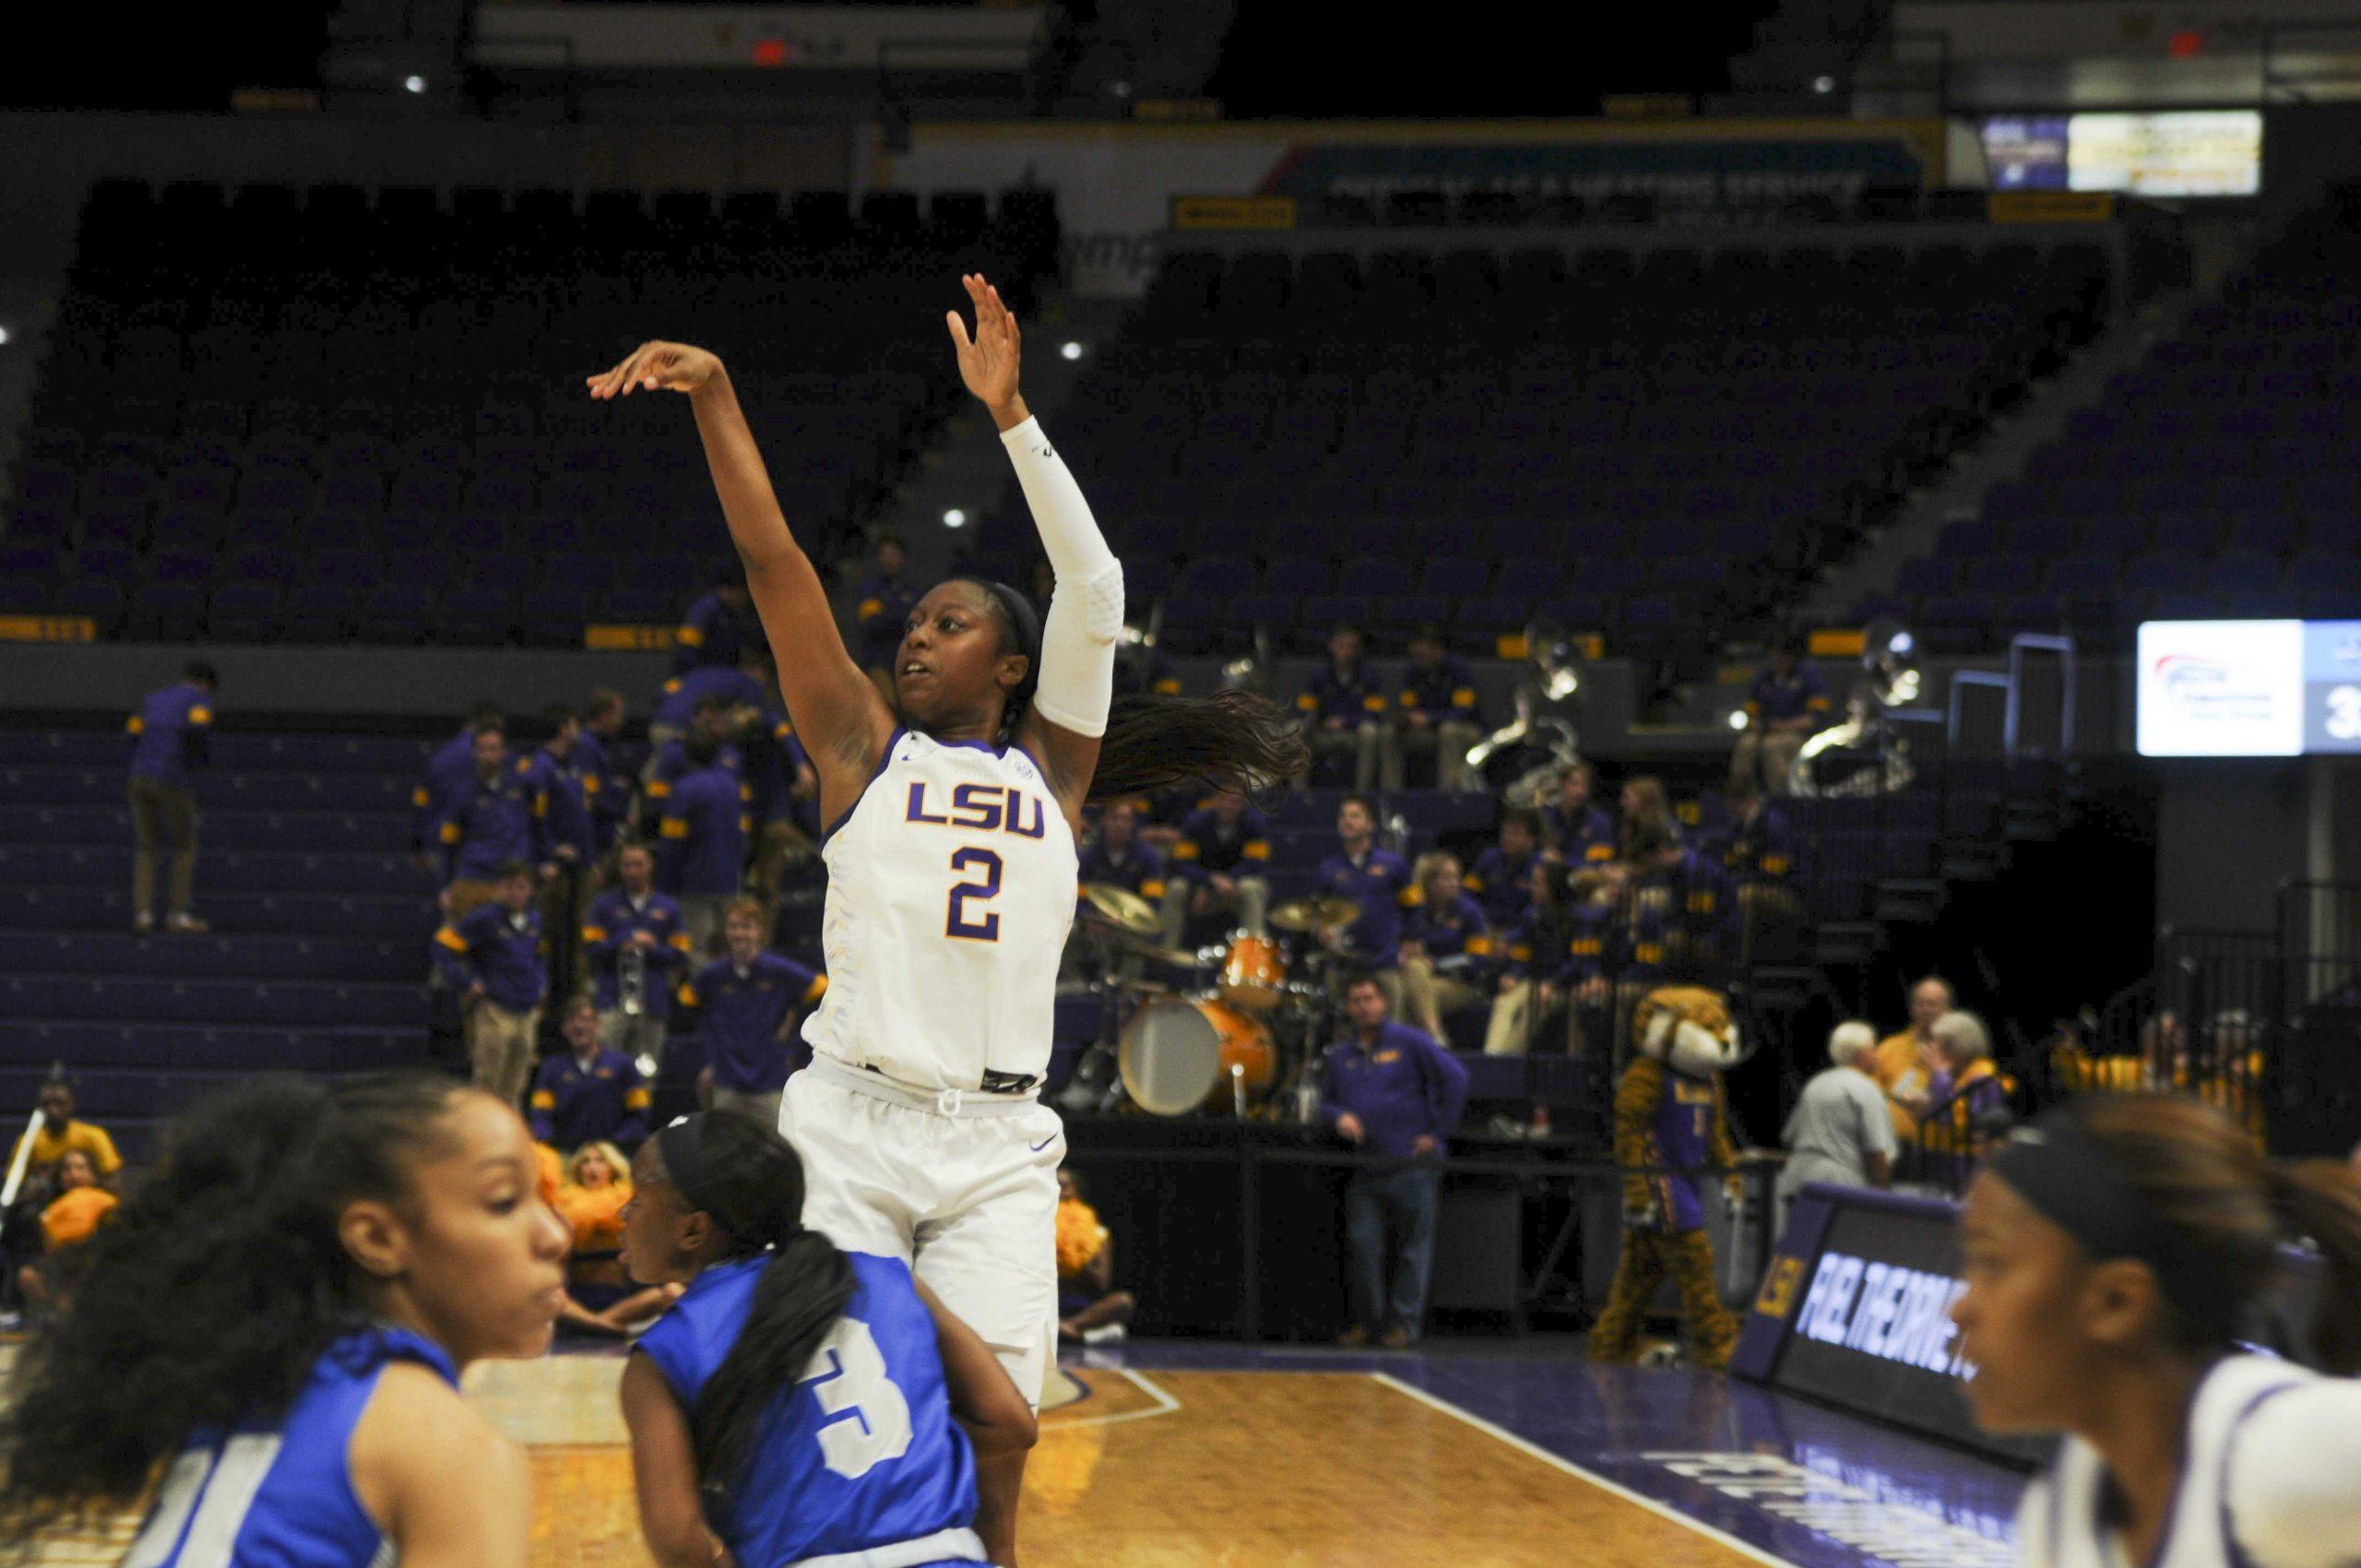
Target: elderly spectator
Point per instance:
(59, 1134)
(747, 1003)
(169, 740)
(486, 824)
(1218, 863)
(587, 1093)
(1967, 1098)
(1445, 941)
(701, 843)
(1501, 879)
(1389, 1092)
(1579, 830)
(493, 958)
(1906, 1061)
(1436, 713)
(70, 1219)
(717, 625)
(1346, 708)
(1839, 1131)
(1379, 882)
(881, 606)
(606, 784)
(1782, 707)
(450, 769)
(634, 939)
(1090, 1310)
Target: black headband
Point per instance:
(681, 1146)
(2062, 1172)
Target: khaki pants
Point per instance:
(1449, 741)
(1253, 899)
(633, 1036)
(500, 1049)
(1371, 744)
(703, 917)
(1773, 754)
(1429, 998)
(760, 1105)
(160, 810)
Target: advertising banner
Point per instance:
(1116, 184)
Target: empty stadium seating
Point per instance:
(318, 415)
(2219, 476)
(1631, 441)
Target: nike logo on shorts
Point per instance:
(1045, 1143)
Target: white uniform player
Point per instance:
(951, 890)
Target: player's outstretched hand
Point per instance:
(673, 367)
(988, 362)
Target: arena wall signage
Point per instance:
(2249, 688)
(1116, 184)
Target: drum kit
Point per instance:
(1234, 1026)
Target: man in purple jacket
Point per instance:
(169, 737)
(1391, 1091)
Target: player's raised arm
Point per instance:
(1076, 684)
(843, 722)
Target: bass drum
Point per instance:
(1176, 1055)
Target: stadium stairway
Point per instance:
(320, 924)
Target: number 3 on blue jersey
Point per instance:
(859, 1387)
(986, 928)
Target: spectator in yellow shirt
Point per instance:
(1089, 1308)
(59, 1134)
(1907, 1062)
(71, 1218)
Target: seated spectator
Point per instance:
(591, 1200)
(1687, 900)
(1967, 1100)
(1762, 854)
(1645, 816)
(717, 625)
(588, 1094)
(1839, 1131)
(747, 1003)
(1537, 968)
(1501, 879)
(1578, 830)
(1785, 706)
(59, 1134)
(632, 940)
(1114, 854)
(1377, 880)
(1445, 941)
(701, 843)
(493, 958)
(882, 605)
(1090, 1310)
(1344, 710)
(170, 737)
(1907, 1062)
(487, 822)
(1436, 714)
(69, 1219)
(1218, 865)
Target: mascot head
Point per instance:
(1688, 1029)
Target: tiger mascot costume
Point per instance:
(1669, 1114)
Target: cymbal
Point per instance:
(1314, 914)
(1121, 907)
(1179, 958)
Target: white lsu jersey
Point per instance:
(951, 891)
(2267, 1479)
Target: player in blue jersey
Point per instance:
(798, 1402)
(952, 808)
(277, 1321)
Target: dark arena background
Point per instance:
(1839, 506)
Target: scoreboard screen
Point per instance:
(2249, 688)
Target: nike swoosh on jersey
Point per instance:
(1045, 1143)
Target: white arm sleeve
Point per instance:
(2294, 1487)
(1077, 685)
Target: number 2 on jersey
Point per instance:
(977, 888)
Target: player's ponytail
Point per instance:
(209, 1300)
(750, 1184)
(2318, 1202)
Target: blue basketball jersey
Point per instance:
(283, 1497)
(861, 1456)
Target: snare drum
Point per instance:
(1252, 972)
(1175, 1055)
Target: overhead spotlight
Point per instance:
(1737, 719)
(954, 518)
(1823, 84)
(414, 83)
(4, 335)
(1070, 351)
